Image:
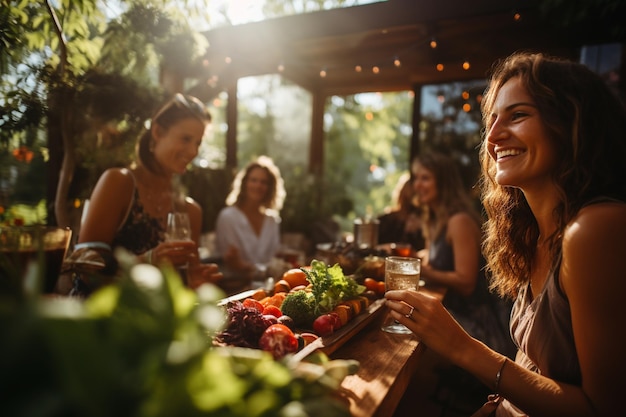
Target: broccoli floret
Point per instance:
(300, 306)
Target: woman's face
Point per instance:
(177, 146)
(517, 140)
(425, 185)
(257, 185)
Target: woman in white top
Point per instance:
(248, 229)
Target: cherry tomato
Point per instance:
(279, 340)
(380, 287)
(370, 284)
(326, 324)
(252, 303)
(273, 311)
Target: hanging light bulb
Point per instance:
(396, 62)
(375, 69)
(465, 95)
(517, 16)
(323, 73)
(439, 67)
(433, 43)
(281, 67)
(466, 65)
(358, 68)
(228, 60)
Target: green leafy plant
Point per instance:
(143, 347)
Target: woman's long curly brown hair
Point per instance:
(587, 122)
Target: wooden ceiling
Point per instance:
(374, 35)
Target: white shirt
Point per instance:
(234, 229)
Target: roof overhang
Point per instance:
(375, 35)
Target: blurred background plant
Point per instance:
(143, 347)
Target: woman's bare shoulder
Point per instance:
(117, 177)
(597, 221)
(462, 219)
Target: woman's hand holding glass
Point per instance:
(428, 319)
(183, 252)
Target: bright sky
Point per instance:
(238, 11)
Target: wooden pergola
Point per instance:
(380, 47)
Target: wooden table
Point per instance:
(387, 363)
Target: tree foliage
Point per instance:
(76, 83)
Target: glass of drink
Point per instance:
(179, 229)
(28, 252)
(401, 273)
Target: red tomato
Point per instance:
(370, 284)
(279, 340)
(326, 324)
(272, 311)
(252, 303)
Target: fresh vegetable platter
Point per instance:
(311, 308)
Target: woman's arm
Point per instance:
(108, 205)
(436, 328)
(593, 276)
(464, 236)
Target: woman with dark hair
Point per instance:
(452, 256)
(129, 206)
(247, 231)
(554, 188)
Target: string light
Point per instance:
(517, 16)
(375, 68)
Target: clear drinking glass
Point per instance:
(401, 273)
(178, 229)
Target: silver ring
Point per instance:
(410, 313)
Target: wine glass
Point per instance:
(178, 229)
(401, 273)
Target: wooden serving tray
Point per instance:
(329, 344)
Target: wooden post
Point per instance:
(316, 147)
(231, 121)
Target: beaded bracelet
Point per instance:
(498, 376)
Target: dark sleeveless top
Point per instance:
(140, 231)
(483, 315)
